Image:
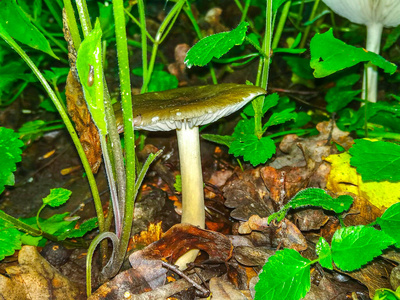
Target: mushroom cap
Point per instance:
(385, 12)
(188, 106)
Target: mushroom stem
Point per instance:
(192, 184)
(370, 81)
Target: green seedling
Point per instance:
(286, 275)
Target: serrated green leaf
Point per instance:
(10, 155)
(390, 222)
(57, 224)
(269, 101)
(84, 228)
(57, 197)
(256, 151)
(215, 45)
(219, 139)
(314, 197)
(15, 22)
(320, 198)
(329, 55)
(354, 246)
(9, 239)
(243, 128)
(90, 70)
(376, 161)
(280, 117)
(324, 253)
(286, 275)
(386, 294)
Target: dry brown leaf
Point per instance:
(35, 279)
(88, 134)
(224, 290)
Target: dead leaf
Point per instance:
(34, 278)
(222, 289)
(88, 134)
(310, 219)
(183, 237)
(252, 256)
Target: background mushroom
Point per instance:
(375, 14)
(185, 109)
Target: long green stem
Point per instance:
(188, 10)
(143, 32)
(126, 101)
(308, 28)
(68, 124)
(72, 24)
(163, 29)
(281, 24)
(84, 17)
(56, 14)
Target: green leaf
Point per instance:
(342, 94)
(243, 128)
(276, 4)
(269, 101)
(57, 197)
(324, 253)
(84, 228)
(162, 81)
(90, 69)
(280, 117)
(219, 139)
(286, 275)
(57, 224)
(354, 246)
(178, 183)
(314, 197)
(392, 38)
(300, 66)
(390, 222)
(215, 45)
(27, 239)
(386, 294)
(376, 161)
(9, 239)
(10, 155)
(256, 151)
(15, 22)
(329, 55)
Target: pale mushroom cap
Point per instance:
(191, 106)
(385, 12)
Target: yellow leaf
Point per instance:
(344, 178)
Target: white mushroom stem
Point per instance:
(192, 184)
(370, 81)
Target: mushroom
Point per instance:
(185, 109)
(375, 14)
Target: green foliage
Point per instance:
(57, 197)
(314, 197)
(10, 155)
(178, 183)
(386, 294)
(392, 38)
(390, 222)
(159, 80)
(329, 55)
(324, 253)
(286, 275)
(215, 45)
(342, 94)
(16, 23)
(10, 239)
(246, 141)
(376, 161)
(354, 246)
(90, 68)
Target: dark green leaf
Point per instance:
(243, 128)
(162, 81)
(256, 151)
(269, 101)
(329, 55)
(286, 275)
(17, 24)
(392, 38)
(215, 45)
(300, 66)
(57, 197)
(390, 222)
(219, 139)
(57, 224)
(10, 155)
(84, 228)
(376, 161)
(324, 253)
(355, 246)
(9, 239)
(280, 117)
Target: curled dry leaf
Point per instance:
(79, 112)
(34, 278)
(182, 238)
